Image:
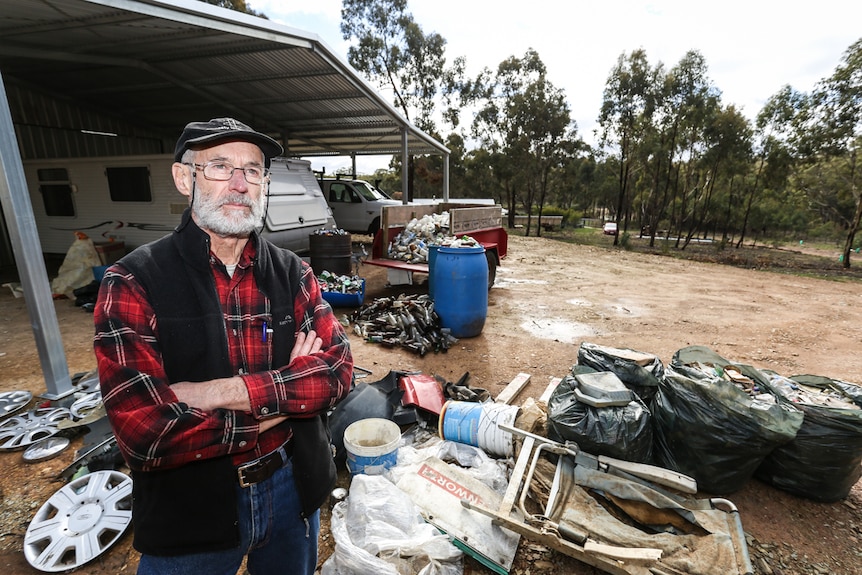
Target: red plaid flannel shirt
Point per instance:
(154, 430)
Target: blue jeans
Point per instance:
(272, 534)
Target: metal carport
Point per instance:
(118, 77)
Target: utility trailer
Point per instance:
(481, 222)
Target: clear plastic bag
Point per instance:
(377, 529)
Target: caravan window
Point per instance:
(56, 190)
(129, 184)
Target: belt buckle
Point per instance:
(240, 472)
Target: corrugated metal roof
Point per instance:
(141, 69)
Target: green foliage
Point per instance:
(391, 48)
(237, 5)
(626, 241)
(671, 154)
(570, 217)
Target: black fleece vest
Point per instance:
(192, 509)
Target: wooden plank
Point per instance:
(623, 553)
(397, 216)
(552, 385)
(514, 388)
(517, 475)
(465, 220)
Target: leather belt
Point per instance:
(264, 467)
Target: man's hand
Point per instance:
(306, 344)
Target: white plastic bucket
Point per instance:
(371, 445)
(477, 424)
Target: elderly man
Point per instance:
(218, 361)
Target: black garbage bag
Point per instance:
(638, 370)
(86, 294)
(711, 430)
(622, 432)
(824, 460)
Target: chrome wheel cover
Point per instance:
(79, 522)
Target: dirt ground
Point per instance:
(549, 298)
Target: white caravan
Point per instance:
(133, 200)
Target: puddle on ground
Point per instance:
(503, 280)
(557, 329)
(506, 282)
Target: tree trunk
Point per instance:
(851, 235)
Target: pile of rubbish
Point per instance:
(405, 321)
(449, 472)
(411, 243)
(329, 232)
(343, 284)
(719, 421)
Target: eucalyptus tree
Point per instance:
(697, 102)
(628, 105)
(394, 52)
(726, 159)
(543, 125)
(831, 132)
(774, 140)
(575, 182)
(522, 119)
(238, 5)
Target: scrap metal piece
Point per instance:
(23, 430)
(82, 520)
(86, 403)
(659, 475)
(422, 391)
(45, 449)
(12, 401)
(82, 459)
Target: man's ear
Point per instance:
(182, 178)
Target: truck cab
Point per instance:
(356, 205)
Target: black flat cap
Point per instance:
(223, 129)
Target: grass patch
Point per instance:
(816, 260)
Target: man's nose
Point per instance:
(237, 180)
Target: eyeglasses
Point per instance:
(223, 171)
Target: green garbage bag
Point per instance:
(824, 460)
(711, 429)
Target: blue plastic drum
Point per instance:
(460, 279)
(432, 262)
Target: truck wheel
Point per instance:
(373, 227)
(492, 267)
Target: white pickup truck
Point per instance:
(356, 205)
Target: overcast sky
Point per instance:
(752, 48)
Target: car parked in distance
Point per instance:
(610, 229)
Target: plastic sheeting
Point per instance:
(623, 432)
(77, 268)
(379, 530)
(824, 460)
(709, 429)
(693, 536)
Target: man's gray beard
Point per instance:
(210, 216)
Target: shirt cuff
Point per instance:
(244, 433)
(262, 394)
